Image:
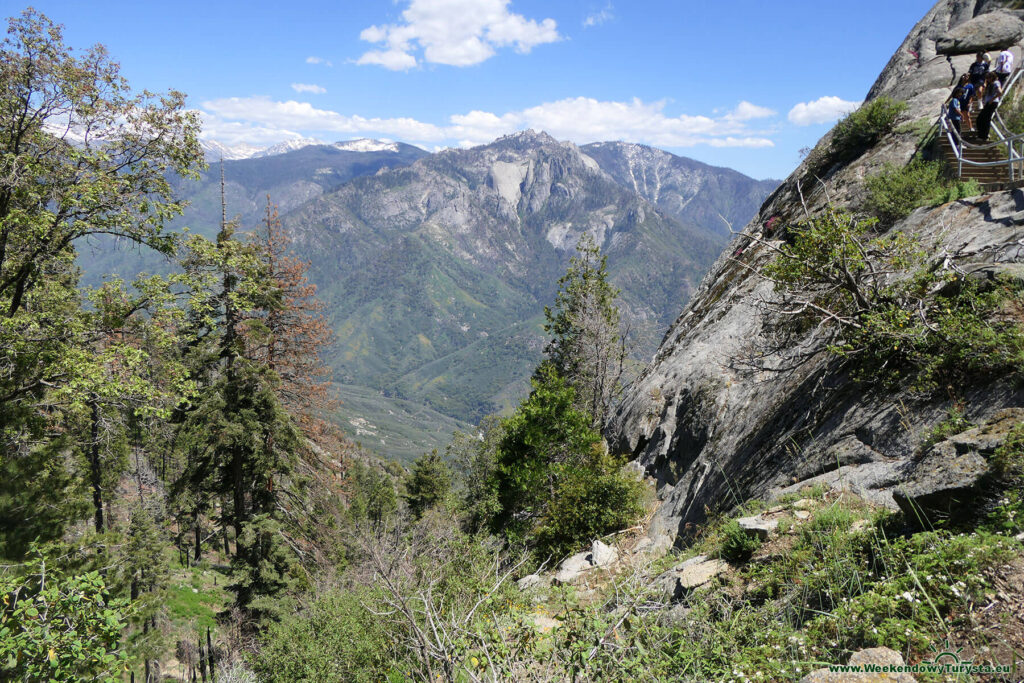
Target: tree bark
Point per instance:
(96, 475)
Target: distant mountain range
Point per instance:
(216, 151)
(435, 268)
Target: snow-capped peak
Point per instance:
(289, 146)
(215, 151)
(366, 145)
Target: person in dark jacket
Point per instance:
(953, 112)
(993, 93)
(966, 99)
(977, 72)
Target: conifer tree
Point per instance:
(294, 333)
(239, 440)
(588, 347)
(428, 484)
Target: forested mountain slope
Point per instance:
(436, 274)
(436, 267)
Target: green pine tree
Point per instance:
(587, 346)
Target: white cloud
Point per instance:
(821, 110)
(580, 119)
(318, 60)
(745, 111)
(598, 18)
(454, 32)
(309, 87)
(266, 114)
(396, 60)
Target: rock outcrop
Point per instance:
(600, 556)
(715, 422)
(693, 573)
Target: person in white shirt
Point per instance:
(1004, 66)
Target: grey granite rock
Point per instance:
(758, 525)
(532, 581)
(875, 656)
(716, 419)
(991, 31)
(694, 572)
(572, 567)
(602, 555)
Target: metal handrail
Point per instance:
(957, 143)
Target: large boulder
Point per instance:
(532, 581)
(572, 567)
(602, 555)
(758, 525)
(693, 573)
(992, 31)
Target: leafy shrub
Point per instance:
(895, 191)
(954, 423)
(854, 134)
(334, 638)
(542, 441)
(60, 628)
(589, 502)
(552, 486)
(737, 544)
(932, 327)
(915, 588)
(860, 129)
(933, 340)
(1011, 111)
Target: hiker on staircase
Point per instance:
(1004, 67)
(953, 113)
(977, 71)
(993, 93)
(966, 97)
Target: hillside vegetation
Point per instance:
(823, 465)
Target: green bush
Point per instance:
(334, 638)
(860, 129)
(60, 628)
(930, 328)
(737, 544)
(895, 191)
(1007, 465)
(551, 485)
(954, 423)
(1011, 111)
(544, 439)
(910, 592)
(589, 502)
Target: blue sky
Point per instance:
(738, 83)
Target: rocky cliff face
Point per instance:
(693, 192)
(714, 432)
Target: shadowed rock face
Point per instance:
(712, 430)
